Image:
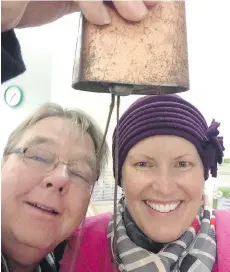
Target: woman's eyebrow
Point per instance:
(141, 155)
(183, 155)
(134, 156)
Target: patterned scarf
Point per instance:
(194, 251)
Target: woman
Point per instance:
(165, 153)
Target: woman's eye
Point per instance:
(183, 164)
(143, 164)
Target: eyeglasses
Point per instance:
(46, 161)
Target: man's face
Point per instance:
(42, 207)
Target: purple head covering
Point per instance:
(168, 115)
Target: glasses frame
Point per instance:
(22, 151)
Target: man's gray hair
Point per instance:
(86, 123)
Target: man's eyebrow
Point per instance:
(39, 139)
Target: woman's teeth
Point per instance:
(163, 208)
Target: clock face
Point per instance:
(13, 96)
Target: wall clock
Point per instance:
(13, 96)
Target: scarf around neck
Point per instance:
(137, 236)
(194, 251)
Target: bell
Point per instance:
(148, 57)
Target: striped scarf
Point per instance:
(194, 251)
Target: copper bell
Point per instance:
(148, 57)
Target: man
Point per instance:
(50, 165)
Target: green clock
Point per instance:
(13, 96)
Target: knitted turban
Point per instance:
(168, 115)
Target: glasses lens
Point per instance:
(81, 172)
(39, 158)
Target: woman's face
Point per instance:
(163, 181)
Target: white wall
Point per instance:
(35, 82)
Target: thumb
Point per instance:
(12, 12)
